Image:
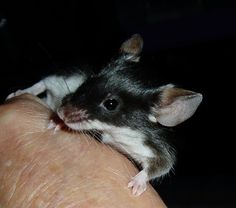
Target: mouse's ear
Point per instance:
(174, 105)
(132, 47)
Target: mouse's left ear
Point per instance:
(132, 48)
(174, 105)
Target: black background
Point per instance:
(188, 42)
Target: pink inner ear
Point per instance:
(170, 94)
(133, 45)
(176, 105)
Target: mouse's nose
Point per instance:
(70, 114)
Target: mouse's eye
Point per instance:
(111, 104)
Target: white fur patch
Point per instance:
(125, 139)
(58, 87)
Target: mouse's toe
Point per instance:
(139, 183)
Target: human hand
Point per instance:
(41, 169)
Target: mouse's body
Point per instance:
(129, 115)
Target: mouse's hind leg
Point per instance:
(36, 89)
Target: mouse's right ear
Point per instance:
(132, 48)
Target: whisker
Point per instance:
(86, 137)
(115, 172)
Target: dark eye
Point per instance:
(111, 104)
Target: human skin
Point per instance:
(43, 169)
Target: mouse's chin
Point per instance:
(88, 125)
(78, 126)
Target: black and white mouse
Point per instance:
(129, 115)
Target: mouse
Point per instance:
(130, 116)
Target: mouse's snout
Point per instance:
(70, 114)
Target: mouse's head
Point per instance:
(115, 98)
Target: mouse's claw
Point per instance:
(138, 183)
(54, 126)
(57, 128)
(51, 125)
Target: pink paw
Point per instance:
(54, 126)
(138, 183)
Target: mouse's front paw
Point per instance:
(52, 125)
(14, 94)
(139, 183)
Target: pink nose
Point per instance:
(71, 114)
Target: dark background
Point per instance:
(187, 42)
